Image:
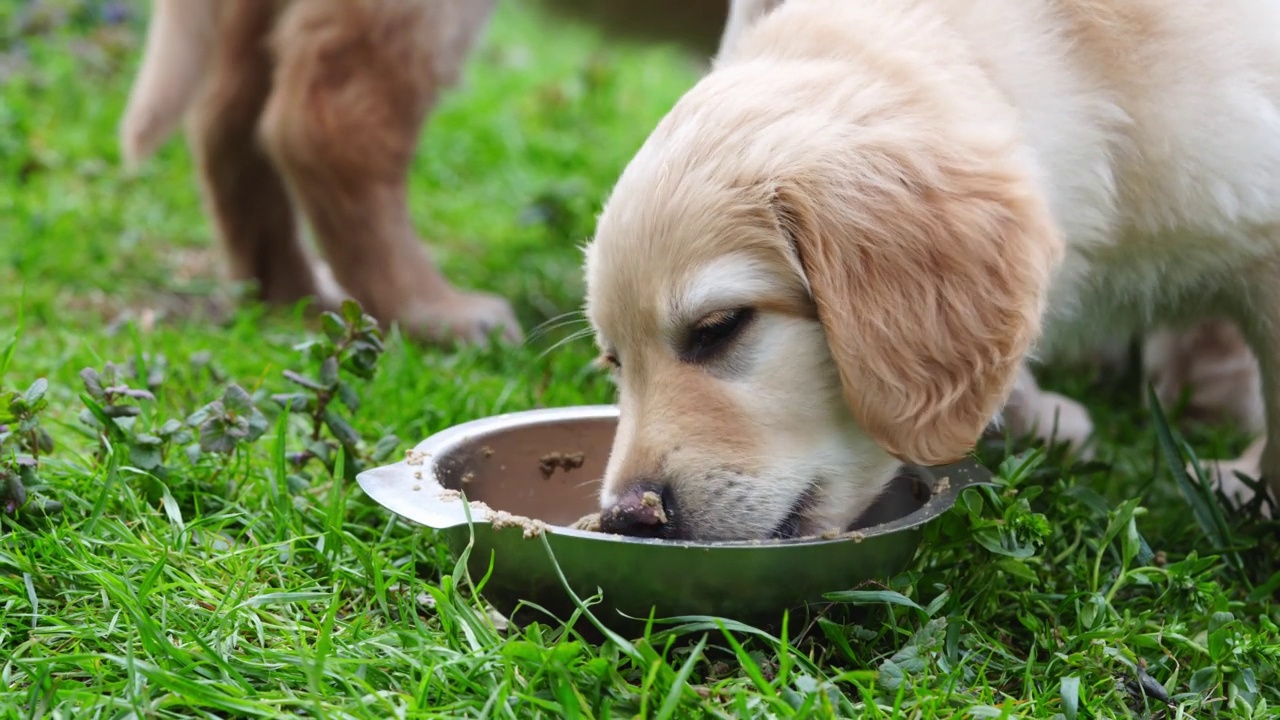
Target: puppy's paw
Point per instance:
(1060, 419)
(1049, 417)
(1222, 473)
(329, 292)
(468, 318)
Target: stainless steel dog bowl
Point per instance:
(546, 464)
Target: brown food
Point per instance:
(651, 499)
(565, 461)
(501, 519)
(943, 485)
(590, 523)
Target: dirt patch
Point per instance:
(552, 461)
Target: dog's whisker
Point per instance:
(566, 318)
(550, 326)
(533, 338)
(576, 336)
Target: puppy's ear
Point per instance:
(929, 277)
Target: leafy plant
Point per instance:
(346, 353)
(114, 408)
(110, 400)
(227, 423)
(22, 442)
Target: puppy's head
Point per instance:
(796, 302)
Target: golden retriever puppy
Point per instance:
(840, 250)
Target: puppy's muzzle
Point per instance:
(644, 510)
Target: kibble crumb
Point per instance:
(468, 478)
(651, 499)
(589, 523)
(943, 485)
(501, 519)
(547, 464)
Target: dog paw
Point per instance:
(1051, 418)
(470, 318)
(1064, 420)
(1223, 474)
(329, 292)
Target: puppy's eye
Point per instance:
(713, 333)
(608, 361)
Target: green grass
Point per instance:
(234, 586)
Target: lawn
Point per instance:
(186, 551)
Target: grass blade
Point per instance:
(681, 682)
(1192, 492)
(872, 597)
(1070, 690)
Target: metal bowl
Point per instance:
(546, 464)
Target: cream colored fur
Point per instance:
(916, 199)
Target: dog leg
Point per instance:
(1259, 319)
(354, 84)
(1049, 416)
(179, 42)
(243, 193)
(1211, 365)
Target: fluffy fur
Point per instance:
(915, 199)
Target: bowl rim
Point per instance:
(434, 506)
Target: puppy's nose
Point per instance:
(641, 511)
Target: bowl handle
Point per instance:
(953, 479)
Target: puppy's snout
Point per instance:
(644, 510)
